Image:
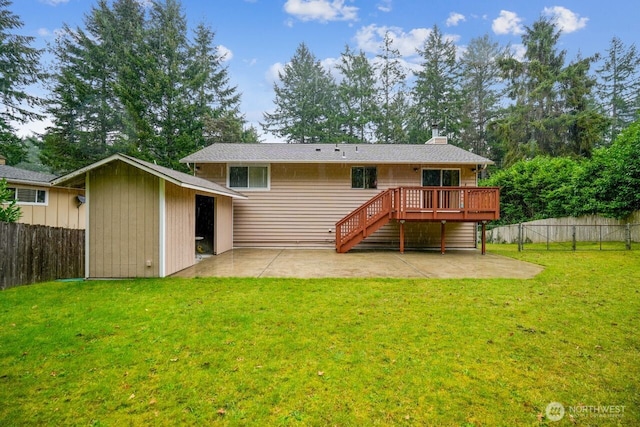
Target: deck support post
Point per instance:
(442, 236)
(402, 236)
(484, 237)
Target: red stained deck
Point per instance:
(430, 204)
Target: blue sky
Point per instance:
(260, 36)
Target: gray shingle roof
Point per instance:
(332, 153)
(76, 178)
(186, 178)
(23, 176)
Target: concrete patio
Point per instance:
(311, 263)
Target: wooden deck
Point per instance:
(433, 204)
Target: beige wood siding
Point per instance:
(180, 228)
(61, 210)
(306, 200)
(223, 232)
(124, 229)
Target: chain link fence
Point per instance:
(570, 234)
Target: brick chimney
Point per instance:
(3, 160)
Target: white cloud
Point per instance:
(385, 6)
(321, 10)
(272, 74)
(566, 20)
(507, 23)
(518, 51)
(370, 39)
(145, 3)
(53, 2)
(225, 53)
(454, 19)
(44, 32)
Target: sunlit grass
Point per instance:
(327, 352)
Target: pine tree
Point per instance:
(436, 93)
(215, 103)
(96, 97)
(132, 81)
(392, 101)
(19, 68)
(586, 124)
(356, 94)
(619, 85)
(304, 101)
(480, 87)
(551, 112)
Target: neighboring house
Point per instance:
(145, 220)
(42, 203)
(297, 193)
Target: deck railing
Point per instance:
(448, 203)
(417, 204)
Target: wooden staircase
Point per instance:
(442, 204)
(364, 221)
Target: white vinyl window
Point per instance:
(29, 196)
(249, 177)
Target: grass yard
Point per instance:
(329, 352)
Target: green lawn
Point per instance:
(329, 352)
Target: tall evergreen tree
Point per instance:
(132, 81)
(392, 100)
(215, 103)
(356, 95)
(585, 123)
(96, 97)
(551, 113)
(168, 90)
(482, 93)
(436, 92)
(19, 68)
(619, 85)
(305, 101)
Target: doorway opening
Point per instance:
(205, 211)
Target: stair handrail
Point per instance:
(365, 220)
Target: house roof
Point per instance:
(178, 178)
(22, 176)
(335, 153)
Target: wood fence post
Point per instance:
(628, 237)
(520, 237)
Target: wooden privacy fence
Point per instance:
(35, 253)
(571, 233)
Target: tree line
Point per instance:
(486, 100)
(131, 80)
(607, 183)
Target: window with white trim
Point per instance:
(249, 177)
(29, 196)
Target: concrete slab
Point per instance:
(310, 263)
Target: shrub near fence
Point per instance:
(568, 233)
(35, 253)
